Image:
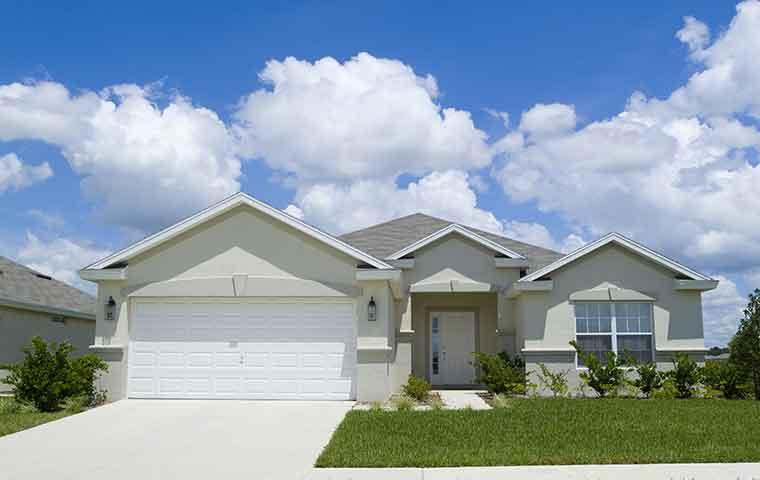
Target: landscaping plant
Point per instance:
(501, 373)
(417, 388)
(648, 378)
(686, 375)
(605, 378)
(745, 346)
(726, 378)
(47, 375)
(556, 382)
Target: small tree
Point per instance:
(745, 346)
(556, 382)
(686, 375)
(649, 379)
(604, 378)
(500, 373)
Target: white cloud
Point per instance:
(548, 120)
(722, 311)
(60, 258)
(342, 208)
(143, 165)
(537, 234)
(16, 175)
(50, 220)
(694, 33)
(679, 174)
(365, 118)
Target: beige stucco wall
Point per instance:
(17, 327)
(277, 260)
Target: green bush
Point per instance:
(727, 378)
(648, 378)
(500, 373)
(47, 376)
(604, 378)
(666, 391)
(686, 375)
(403, 403)
(417, 388)
(556, 382)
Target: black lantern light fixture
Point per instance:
(371, 310)
(110, 307)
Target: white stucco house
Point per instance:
(243, 301)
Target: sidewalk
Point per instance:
(686, 471)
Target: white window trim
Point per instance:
(613, 328)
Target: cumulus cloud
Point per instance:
(17, 175)
(537, 234)
(694, 33)
(547, 120)
(142, 164)
(722, 310)
(365, 118)
(344, 207)
(679, 174)
(61, 258)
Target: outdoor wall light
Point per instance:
(110, 307)
(371, 310)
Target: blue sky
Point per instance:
(584, 62)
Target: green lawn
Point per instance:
(13, 420)
(551, 432)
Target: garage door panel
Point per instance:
(242, 350)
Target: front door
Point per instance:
(452, 342)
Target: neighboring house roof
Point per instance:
(385, 239)
(23, 287)
(226, 205)
(618, 239)
(454, 228)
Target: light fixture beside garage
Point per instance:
(371, 310)
(110, 307)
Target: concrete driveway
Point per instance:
(187, 439)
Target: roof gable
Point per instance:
(452, 229)
(23, 287)
(625, 242)
(226, 205)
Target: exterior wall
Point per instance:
(547, 321)
(204, 262)
(17, 327)
(484, 306)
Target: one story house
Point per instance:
(32, 303)
(242, 300)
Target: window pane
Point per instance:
(580, 310)
(638, 346)
(621, 323)
(645, 317)
(581, 325)
(598, 345)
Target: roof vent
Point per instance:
(43, 276)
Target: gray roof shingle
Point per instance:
(22, 284)
(387, 238)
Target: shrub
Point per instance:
(726, 378)
(403, 403)
(648, 378)
(435, 402)
(686, 375)
(11, 406)
(500, 373)
(556, 382)
(745, 346)
(604, 378)
(417, 388)
(666, 391)
(47, 375)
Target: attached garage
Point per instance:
(242, 349)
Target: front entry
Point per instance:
(452, 342)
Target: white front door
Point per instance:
(242, 349)
(452, 342)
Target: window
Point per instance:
(436, 345)
(602, 327)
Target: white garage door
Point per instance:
(242, 350)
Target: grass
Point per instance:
(15, 417)
(551, 432)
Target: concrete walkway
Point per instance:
(693, 471)
(458, 399)
(164, 439)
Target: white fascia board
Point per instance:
(501, 262)
(623, 241)
(519, 287)
(701, 285)
(393, 277)
(103, 274)
(454, 228)
(222, 207)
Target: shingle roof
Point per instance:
(387, 238)
(24, 285)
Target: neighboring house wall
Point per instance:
(278, 261)
(17, 327)
(548, 321)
